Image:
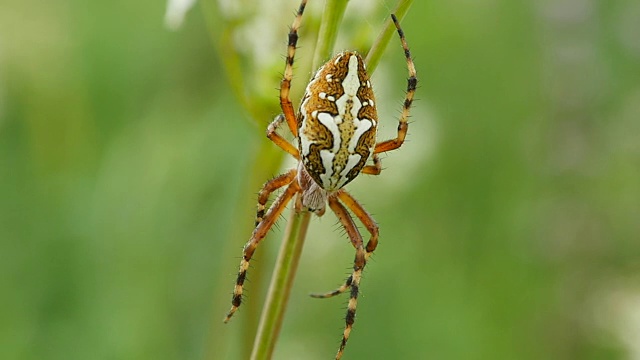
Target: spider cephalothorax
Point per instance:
(336, 133)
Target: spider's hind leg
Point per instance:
(338, 291)
(371, 225)
(358, 265)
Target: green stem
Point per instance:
(378, 47)
(331, 19)
(281, 283)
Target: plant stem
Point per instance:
(281, 283)
(378, 47)
(331, 19)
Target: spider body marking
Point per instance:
(337, 125)
(335, 128)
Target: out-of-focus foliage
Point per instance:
(510, 221)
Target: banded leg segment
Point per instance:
(358, 265)
(259, 233)
(268, 188)
(285, 84)
(412, 82)
(367, 220)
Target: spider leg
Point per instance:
(269, 187)
(358, 264)
(371, 225)
(412, 81)
(374, 169)
(367, 220)
(285, 84)
(259, 233)
(279, 140)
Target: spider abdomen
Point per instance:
(337, 122)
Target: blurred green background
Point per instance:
(129, 166)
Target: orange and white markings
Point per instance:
(336, 136)
(335, 130)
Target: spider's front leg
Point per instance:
(285, 84)
(412, 82)
(358, 264)
(371, 225)
(260, 232)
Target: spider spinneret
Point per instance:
(335, 130)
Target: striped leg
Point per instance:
(412, 81)
(371, 225)
(259, 233)
(335, 292)
(358, 264)
(285, 84)
(268, 188)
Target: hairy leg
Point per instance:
(259, 233)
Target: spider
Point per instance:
(335, 130)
